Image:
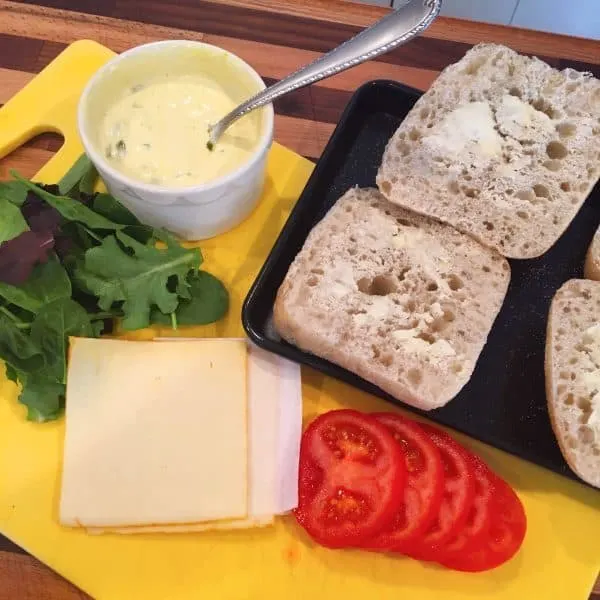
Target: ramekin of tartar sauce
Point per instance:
(143, 120)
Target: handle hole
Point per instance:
(29, 158)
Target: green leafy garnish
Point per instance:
(71, 209)
(13, 223)
(108, 207)
(208, 303)
(71, 262)
(82, 168)
(48, 282)
(138, 280)
(17, 348)
(89, 180)
(13, 191)
(51, 329)
(44, 398)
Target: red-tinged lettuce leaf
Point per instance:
(48, 282)
(19, 256)
(70, 209)
(40, 216)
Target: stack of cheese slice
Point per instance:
(178, 436)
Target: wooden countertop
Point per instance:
(276, 38)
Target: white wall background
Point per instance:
(571, 17)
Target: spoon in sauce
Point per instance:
(392, 31)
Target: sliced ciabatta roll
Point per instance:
(502, 146)
(573, 375)
(592, 259)
(404, 301)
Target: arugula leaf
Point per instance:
(43, 398)
(182, 287)
(13, 191)
(16, 348)
(50, 332)
(12, 222)
(48, 281)
(209, 302)
(11, 373)
(70, 209)
(112, 209)
(98, 327)
(88, 181)
(109, 207)
(74, 175)
(139, 280)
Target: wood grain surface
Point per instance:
(275, 37)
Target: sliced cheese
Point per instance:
(274, 398)
(155, 433)
(225, 525)
(275, 429)
(275, 418)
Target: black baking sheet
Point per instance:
(504, 404)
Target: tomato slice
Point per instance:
(475, 531)
(459, 490)
(503, 538)
(352, 475)
(424, 488)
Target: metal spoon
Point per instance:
(392, 31)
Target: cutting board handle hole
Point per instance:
(29, 158)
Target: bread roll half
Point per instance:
(573, 375)
(502, 146)
(404, 301)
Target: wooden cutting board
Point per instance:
(560, 557)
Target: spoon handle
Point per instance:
(392, 31)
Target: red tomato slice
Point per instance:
(476, 529)
(352, 475)
(503, 538)
(424, 488)
(459, 490)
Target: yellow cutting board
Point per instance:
(560, 557)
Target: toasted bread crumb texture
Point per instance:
(573, 372)
(404, 301)
(502, 146)
(592, 260)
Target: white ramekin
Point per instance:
(191, 213)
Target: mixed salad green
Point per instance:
(72, 261)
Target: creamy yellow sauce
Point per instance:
(157, 132)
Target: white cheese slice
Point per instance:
(231, 524)
(283, 407)
(155, 433)
(274, 431)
